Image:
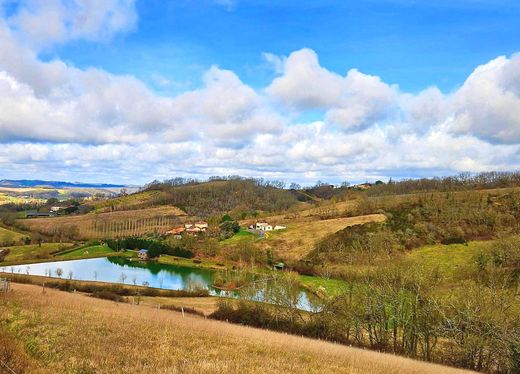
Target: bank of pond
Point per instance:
(128, 271)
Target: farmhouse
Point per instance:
(263, 226)
(193, 230)
(36, 214)
(202, 225)
(176, 231)
(143, 254)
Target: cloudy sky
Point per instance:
(129, 91)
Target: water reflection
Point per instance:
(165, 276)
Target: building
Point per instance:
(263, 226)
(193, 231)
(143, 254)
(188, 225)
(202, 225)
(280, 227)
(176, 231)
(36, 214)
(55, 208)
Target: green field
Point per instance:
(450, 260)
(10, 236)
(34, 252)
(239, 236)
(86, 252)
(333, 287)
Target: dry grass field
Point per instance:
(59, 332)
(302, 234)
(104, 225)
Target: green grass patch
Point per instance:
(332, 286)
(9, 236)
(243, 234)
(194, 263)
(451, 260)
(86, 252)
(28, 253)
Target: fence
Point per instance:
(4, 285)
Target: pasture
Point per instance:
(77, 333)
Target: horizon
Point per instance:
(128, 91)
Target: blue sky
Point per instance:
(414, 44)
(129, 91)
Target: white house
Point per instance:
(264, 226)
(202, 225)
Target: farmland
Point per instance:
(111, 224)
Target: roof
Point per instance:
(143, 251)
(201, 223)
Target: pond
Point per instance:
(124, 270)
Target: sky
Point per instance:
(128, 91)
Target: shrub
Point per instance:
(108, 295)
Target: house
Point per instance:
(176, 231)
(263, 226)
(280, 227)
(188, 225)
(55, 208)
(202, 225)
(364, 186)
(193, 230)
(143, 254)
(36, 214)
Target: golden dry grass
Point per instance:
(102, 225)
(75, 333)
(205, 305)
(301, 235)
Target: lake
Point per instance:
(152, 274)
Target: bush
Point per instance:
(108, 295)
(185, 309)
(454, 240)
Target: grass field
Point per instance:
(87, 252)
(451, 260)
(301, 235)
(104, 225)
(33, 252)
(65, 332)
(7, 235)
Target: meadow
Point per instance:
(45, 332)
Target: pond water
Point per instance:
(124, 270)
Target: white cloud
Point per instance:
(352, 102)
(43, 23)
(488, 104)
(60, 120)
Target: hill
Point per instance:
(45, 333)
(24, 183)
(237, 196)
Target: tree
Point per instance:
(52, 201)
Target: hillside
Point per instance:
(23, 183)
(107, 225)
(123, 338)
(214, 197)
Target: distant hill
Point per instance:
(25, 183)
(207, 198)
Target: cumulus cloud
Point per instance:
(488, 104)
(87, 123)
(42, 23)
(352, 102)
